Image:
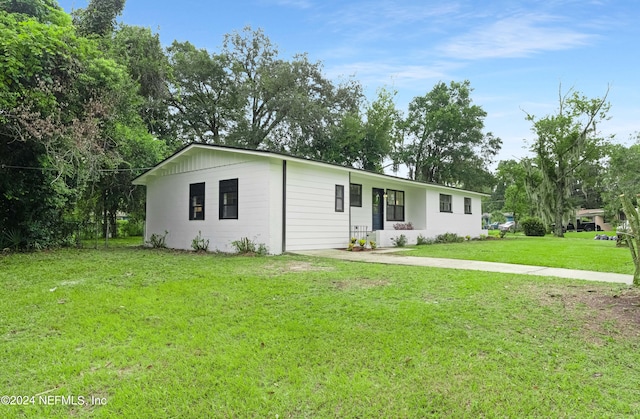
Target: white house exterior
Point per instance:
(289, 203)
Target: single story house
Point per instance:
(595, 216)
(290, 203)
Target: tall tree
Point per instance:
(311, 110)
(510, 176)
(444, 139)
(621, 176)
(204, 99)
(247, 96)
(287, 104)
(141, 52)
(45, 11)
(364, 139)
(99, 18)
(64, 109)
(564, 142)
(263, 81)
(48, 122)
(588, 185)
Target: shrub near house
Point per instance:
(533, 227)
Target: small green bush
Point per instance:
(158, 241)
(12, 239)
(247, 246)
(422, 240)
(449, 238)
(533, 227)
(199, 244)
(130, 228)
(400, 241)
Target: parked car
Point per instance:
(508, 226)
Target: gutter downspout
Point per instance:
(284, 205)
(349, 192)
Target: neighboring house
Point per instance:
(290, 203)
(595, 216)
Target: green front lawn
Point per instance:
(176, 334)
(575, 251)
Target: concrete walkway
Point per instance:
(392, 257)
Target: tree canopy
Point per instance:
(246, 95)
(66, 109)
(565, 142)
(444, 139)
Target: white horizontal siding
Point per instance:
(312, 222)
(456, 221)
(199, 159)
(168, 202)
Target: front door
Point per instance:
(378, 209)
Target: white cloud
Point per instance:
(386, 19)
(516, 36)
(373, 73)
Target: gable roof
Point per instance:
(193, 147)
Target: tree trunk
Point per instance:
(633, 247)
(105, 219)
(632, 235)
(558, 230)
(114, 224)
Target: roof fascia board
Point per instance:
(140, 180)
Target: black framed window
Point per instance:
(228, 207)
(395, 205)
(196, 201)
(355, 195)
(467, 205)
(339, 198)
(445, 203)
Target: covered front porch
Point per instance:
(383, 209)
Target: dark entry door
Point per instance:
(378, 209)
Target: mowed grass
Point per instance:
(177, 334)
(575, 251)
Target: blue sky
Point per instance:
(515, 53)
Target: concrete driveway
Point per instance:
(394, 257)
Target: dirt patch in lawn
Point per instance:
(605, 311)
(305, 267)
(295, 266)
(360, 283)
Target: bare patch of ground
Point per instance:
(605, 311)
(362, 283)
(296, 266)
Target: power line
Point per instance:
(8, 166)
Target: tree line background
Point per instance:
(87, 104)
